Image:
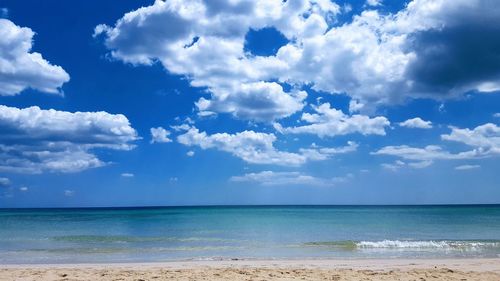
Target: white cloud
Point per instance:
(330, 122)
(20, 68)
(190, 153)
(34, 140)
(355, 106)
(159, 135)
(69, 193)
(4, 182)
(346, 8)
(467, 167)
(484, 141)
(393, 166)
(497, 115)
(205, 42)
(373, 3)
(416, 123)
(398, 164)
(377, 58)
(23, 188)
(428, 153)
(260, 101)
(485, 138)
(270, 178)
(257, 148)
(127, 175)
(323, 153)
(390, 58)
(420, 165)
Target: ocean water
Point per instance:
(274, 232)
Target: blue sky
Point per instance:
(249, 102)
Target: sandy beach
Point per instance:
(361, 269)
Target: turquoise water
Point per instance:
(198, 233)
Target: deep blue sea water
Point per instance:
(273, 232)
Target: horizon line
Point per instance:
(256, 205)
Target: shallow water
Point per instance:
(180, 233)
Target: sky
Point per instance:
(229, 102)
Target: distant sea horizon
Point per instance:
(174, 233)
(248, 205)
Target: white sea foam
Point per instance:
(398, 244)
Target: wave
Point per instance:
(410, 244)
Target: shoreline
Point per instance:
(470, 264)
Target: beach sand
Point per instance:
(361, 269)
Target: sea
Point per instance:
(156, 234)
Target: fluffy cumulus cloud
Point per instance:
(205, 40)
(437, 49)
(424, 50)
(258, 101)
(34, 140)
(416, 123)
(258, 148)
(330, 122)
(159, 135)
(20, 68)
(270, 178)
(482, 141)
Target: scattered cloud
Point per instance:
(20, 68)
(127, 175)
(323, 153)
(346, 8)
(427, 153)
(69, 193)
(23, 188)
(159, 135)
(398, 164)
(374, 3)
(270, 178)
(258, 148)
(34, 140)
(484, 141)
(330, 122)
(4, 182)
(416, 123)
(467, 167)
(441, 108)
(497, 115)
(484, 138)
(190, 153)
(4, 13)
